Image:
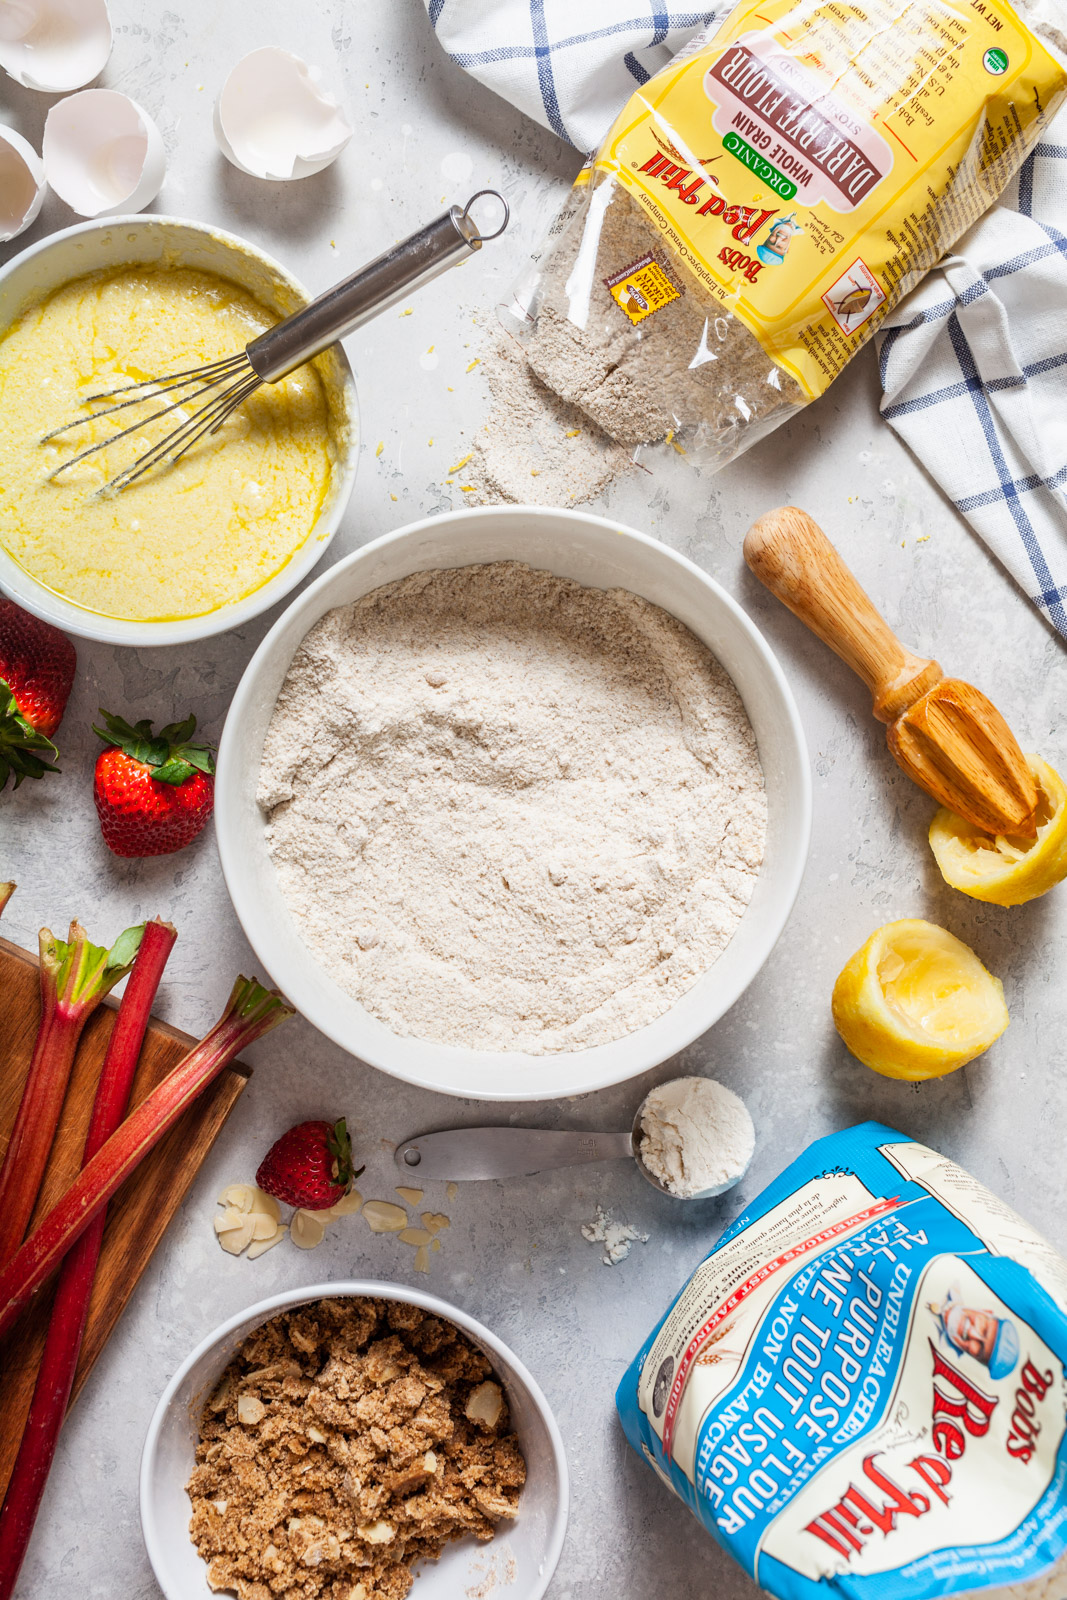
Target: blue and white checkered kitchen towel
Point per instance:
(569, 64)
(974, 368)
(973, 362)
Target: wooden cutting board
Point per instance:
(142, 1208)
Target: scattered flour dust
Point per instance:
(616, 1237)
(498, 1569)
(535, 449)
(510, 812)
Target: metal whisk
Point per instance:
(218, 388)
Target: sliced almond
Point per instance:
(270, 1373)
(410, 1197)
(240, 1196)
(259, 1247)
(485, 1405)
(229, 1219)
(250, 1410)
(221, 1398)
(307, 1229)
(263, 1226)
(220, 1506)
(266, 1204)
(429, 1462)
(493, 1504)
(376, 1532)
(234, 1240)
(316, 1435)
(327, 1549)
(414, 1236)
(415, 1476)
(422, 1259)
(435, 1221)
(384, 1216)
(347, 1206)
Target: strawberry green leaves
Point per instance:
(169, 752)
(24, 752)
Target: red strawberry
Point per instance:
(36, 671)
(310, 1166)
(153, 792)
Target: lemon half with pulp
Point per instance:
(915, 1002)
(1001, 868)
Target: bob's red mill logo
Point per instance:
(961, 1411)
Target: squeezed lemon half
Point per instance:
(1002, 868)
(915, 1002)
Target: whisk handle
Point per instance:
(451, 237)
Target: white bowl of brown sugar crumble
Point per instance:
(353, 1441)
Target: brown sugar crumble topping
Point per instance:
(347, 1441)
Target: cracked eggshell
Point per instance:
(54, 45)
(103, 154)
(272, 120)
(22, 184)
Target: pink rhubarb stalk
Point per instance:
(70, 1311)
(251, 1012)
(75, 977)
(6, 891)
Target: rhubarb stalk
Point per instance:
(251, 1012)
(75, 977)
(6, 891)
(70, 1311)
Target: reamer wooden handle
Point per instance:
(791, 555)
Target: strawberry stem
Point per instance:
(251, 1012)
(75, 977)
(66, 1329)
(340, 1147)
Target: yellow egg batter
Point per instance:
(187, 538)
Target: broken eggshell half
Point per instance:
(272, 120)
(22, 184)
(103, 154)
(54, 45)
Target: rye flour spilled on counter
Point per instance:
(510, 812)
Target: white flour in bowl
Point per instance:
(509, 812)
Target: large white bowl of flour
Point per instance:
(285, 873)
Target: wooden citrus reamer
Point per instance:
(943, 732)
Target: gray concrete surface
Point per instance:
(514, 1255)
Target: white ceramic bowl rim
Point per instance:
(446, 1069)
(62, 613)
(343, 1289)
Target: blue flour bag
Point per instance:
(861, 1390)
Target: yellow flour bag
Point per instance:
(761, 204)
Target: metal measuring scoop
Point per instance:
(467, 1155)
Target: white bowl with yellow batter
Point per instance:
(196, 547)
